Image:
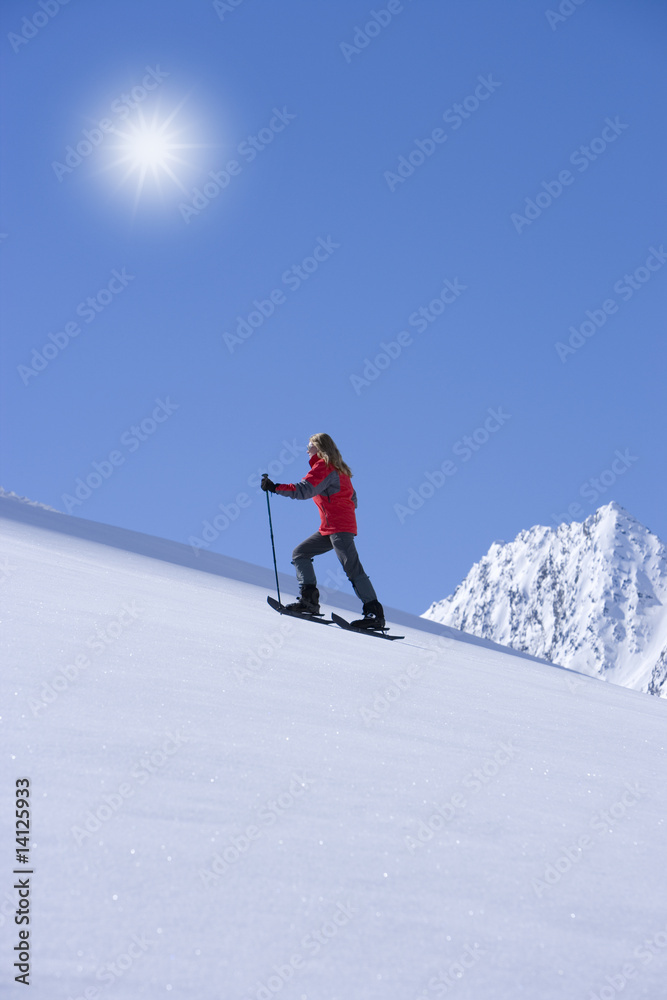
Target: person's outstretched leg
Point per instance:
(302, 560)
(346, 550)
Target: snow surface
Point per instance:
(304, 813)
(590, 595)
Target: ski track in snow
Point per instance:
(278, 810)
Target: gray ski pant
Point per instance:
(342, 542)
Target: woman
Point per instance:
(328, 483)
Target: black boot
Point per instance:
(309, 601)
(373, 616)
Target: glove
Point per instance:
(267, 485)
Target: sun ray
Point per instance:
(151, 149)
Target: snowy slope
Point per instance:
(228, 804)
(590, 596)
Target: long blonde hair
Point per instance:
(327, 450)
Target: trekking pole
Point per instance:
(275, 565)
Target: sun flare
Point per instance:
(152, 152)
(149, 148)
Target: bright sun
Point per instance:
(149, 152)
(149, 149)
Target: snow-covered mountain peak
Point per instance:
(587, 595)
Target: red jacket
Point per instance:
(333, 493)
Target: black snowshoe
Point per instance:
(373, 617)
(308, 603)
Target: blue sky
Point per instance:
(469, 185)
